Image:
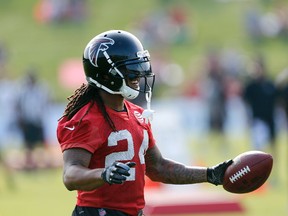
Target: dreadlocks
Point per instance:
(83, 95)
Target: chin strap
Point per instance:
(148, 113)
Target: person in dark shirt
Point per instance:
(260, 95)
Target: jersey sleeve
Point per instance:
(72, 134)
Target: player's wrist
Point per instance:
(215, 174)
(105, 175)
(211, 177)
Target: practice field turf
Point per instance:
(42, 192)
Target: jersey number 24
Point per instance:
(127, 155)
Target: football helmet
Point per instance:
(114, 56)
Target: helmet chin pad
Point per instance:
(128, 92)
(125, 91)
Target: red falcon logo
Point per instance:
(97, 45)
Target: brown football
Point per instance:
(248, 172)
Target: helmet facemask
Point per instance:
(138, 70)
(129, 69)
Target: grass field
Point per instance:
(42, 192)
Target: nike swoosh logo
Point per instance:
(70, 128)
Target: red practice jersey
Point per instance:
(129, 143)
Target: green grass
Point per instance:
(43, 193)
(39, 193)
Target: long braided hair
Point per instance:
(83, 95)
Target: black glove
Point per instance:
(117, 172)
(215, 174)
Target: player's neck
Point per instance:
(115, 102)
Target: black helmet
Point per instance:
(113, 56)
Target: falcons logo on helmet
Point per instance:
(97, 45)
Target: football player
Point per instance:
(107, 142)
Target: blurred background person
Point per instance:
(260, 95)
(8, 129)
(59, 11)
(215, 90)
(32, 102)
(282, 86)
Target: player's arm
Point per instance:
(76, 174)
(167, 171)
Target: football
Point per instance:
(248, 172)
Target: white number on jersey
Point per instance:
(127, 155)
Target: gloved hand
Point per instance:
(215, 174)
(117, 173)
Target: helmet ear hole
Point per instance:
(113, 82)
